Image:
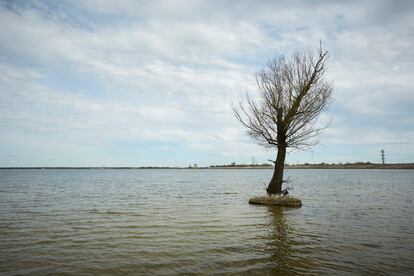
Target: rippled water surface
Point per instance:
(120, 222)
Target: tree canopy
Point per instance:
(292, 94)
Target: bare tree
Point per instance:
(292, 93)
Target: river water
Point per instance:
(166, 222)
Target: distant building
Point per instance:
(195, 166)
(233, 164)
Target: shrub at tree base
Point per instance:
(284, 201)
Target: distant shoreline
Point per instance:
(397, 166)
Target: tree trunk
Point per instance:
(275, 185)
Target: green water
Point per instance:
(164, 222)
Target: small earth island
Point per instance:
(276, 200)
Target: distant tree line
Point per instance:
(233, 165)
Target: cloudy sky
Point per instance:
(138, 83)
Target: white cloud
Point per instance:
(168, 72)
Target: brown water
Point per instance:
(120, 222)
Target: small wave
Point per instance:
(110, 212)
(371, 245)
(225, 193)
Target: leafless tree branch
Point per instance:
(292, 95)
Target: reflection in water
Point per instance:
(286, 256)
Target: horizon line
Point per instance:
(267, 166)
